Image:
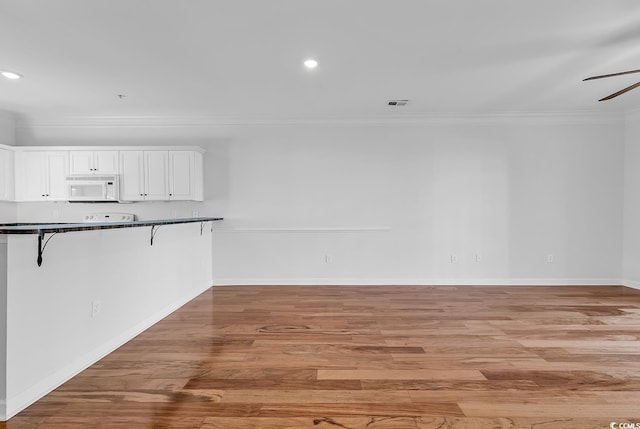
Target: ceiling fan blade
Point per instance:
(622, 91)
(611, 75)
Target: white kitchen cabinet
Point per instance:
(144, 175)
(57, 171)
(185, 175)
(6, 175)
(181, 164)
(198, 177)
(41, 175)
(132, 175)
(156, 167)
(93, 162)
(160, 175)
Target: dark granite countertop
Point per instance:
(46, 228)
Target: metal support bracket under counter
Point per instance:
(59, 228)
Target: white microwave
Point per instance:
(93, 188)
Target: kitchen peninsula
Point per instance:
(100, 285)
(54, 228)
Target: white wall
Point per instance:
(8, 212)
(512, 192)
(74, 212)
(3, 326)
(7, 215)
(51, 334)
(391, 203)
(7, 137)
(7, 128)
(631, 264)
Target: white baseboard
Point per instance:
(416, 282)
(631, 283)
(21, 401)
(3, 410)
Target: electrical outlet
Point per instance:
(328, 259)
(56, 214)
(174, 214)
(95, 308)
(454, 259)
(549, 258)
(194, 214)
(478, 258)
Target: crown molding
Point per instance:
(212, 121)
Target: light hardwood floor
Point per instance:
(368, 357)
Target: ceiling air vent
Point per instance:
(398, 102)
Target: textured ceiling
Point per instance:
(243, 58)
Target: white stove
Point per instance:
(109, 217)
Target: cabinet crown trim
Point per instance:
(97, 148)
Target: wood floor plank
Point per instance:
(378, 408)
(540, 397)
(550, 410)
(271, 384)
(311, 422)
(355, 357)
(402, 423)
(399, 374)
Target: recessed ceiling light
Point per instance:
(310, 63)
(10, 75)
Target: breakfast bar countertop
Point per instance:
(47, 228)
(41, 229)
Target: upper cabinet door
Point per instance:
(57, 170)
(198, 177)
(41, 175)
(80, 162)
(4, 166)
(132, 175)
(156, 175)
(181, 175)
(105, 162)
(32, 173)
(93, 162)
(6, 175)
